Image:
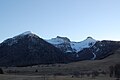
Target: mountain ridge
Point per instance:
(71, 46)
(29, 49)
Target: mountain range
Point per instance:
(29, 49)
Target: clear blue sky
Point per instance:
(75, 19)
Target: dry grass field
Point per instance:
(25, 77)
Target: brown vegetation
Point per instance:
(82, 70)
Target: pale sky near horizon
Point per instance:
(75, 19)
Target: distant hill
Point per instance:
(102, 64)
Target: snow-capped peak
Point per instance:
(78, 46)
(64, 38)
(75, 46)
(14, 40)
(58, 40)
(26, 33)
(89, 40)
(29, 33)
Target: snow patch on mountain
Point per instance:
(94, 56)
(78, 46)
(26, 33)
(97, 50)
(58, 40)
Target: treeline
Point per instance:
(1, 71)
(115, 71)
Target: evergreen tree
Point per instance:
(1, 71)
(117, 70)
